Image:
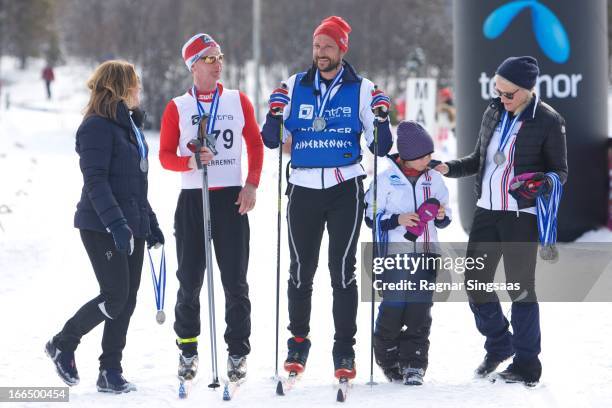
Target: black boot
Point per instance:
(386, 355)
(64, 363)
(488, 365)
(393, 373)
(111, 380)
(297, 355)
(527, 373)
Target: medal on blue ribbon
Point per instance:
(547, 208)
(507, 128)
(319, 122)
(142, 149)
(159, 286)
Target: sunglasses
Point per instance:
(211, 59)
(508, 95)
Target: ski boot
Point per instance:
(297, 354)
(111, 380)
(64, 363)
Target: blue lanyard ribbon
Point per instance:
(142, 149)
(159, 283)
(506, 130)
(547, 208)
(322, 100)
(382, 244)
(214, 106)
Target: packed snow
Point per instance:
(46, 277)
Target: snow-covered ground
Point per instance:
(46, 276)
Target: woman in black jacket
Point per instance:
(519, 134)
(114, 218)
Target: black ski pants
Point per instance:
(230, 235)
(309, 212)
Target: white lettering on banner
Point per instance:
(222, 162)
(341, 111)
(421, 106)
(558, 86)
(340, 130)
(195, 119)
(320, 144)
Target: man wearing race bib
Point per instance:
(231, 120)
(325, 110)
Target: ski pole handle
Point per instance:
(194, 146)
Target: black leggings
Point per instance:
(309, 212)
(119, 278)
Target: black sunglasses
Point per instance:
(508, 95)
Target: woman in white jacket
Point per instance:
(412, 202)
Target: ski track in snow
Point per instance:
(46, 277)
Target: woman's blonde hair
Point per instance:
(110, 84)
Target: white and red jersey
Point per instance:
(235, 120)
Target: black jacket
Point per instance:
(540, 145)
(114, 187)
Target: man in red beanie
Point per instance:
(232, 121)
(325, 110)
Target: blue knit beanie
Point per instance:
(413, 141)
(522, 71)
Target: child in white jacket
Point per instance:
(412, 202)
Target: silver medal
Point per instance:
(160, 317)
(549, 253)
(144, 165)
(499, 158)
(319, 124)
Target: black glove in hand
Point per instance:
(123, 237)
(156, 238)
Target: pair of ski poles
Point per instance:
(195, 145)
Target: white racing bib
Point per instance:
(225, 169)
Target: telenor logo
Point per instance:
(549, 32)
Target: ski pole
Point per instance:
(278, 233)
(374, 248)
(195, 145)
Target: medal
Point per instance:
(507, 128)
(144, 165)
(549, 253)
(142, 149)
(160, 317)
(499, 158)
(547, 209)
(319, 124)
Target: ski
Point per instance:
(343, 386)
(283, 386)
(230, 388)
(184, 388)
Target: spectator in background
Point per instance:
(48, 76)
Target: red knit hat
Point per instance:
(195, 47)
(336, 28)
